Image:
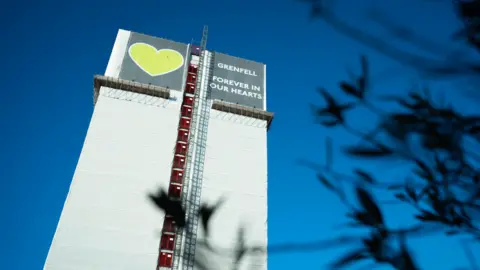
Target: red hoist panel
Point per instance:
(177, 177)
(192, 69)
(167, 243)
(190, 88)
(165, 259)
(185, 123)
(191, 78)
(187, 111)
(175, 191)
(169, 225)
(188, 101)
(181, 149)
(179, 162)
(182, 135)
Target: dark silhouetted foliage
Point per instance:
(443, 185)
(169, 206)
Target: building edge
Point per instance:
(115, 61)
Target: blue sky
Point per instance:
(53, 49)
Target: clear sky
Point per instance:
(52, 49)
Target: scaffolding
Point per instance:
(134, 87)
(241, 110)
(185, 242)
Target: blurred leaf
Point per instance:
(368, 152)
(471, 121)
(405, 119)
(332, 123)
(401, 197)
(370, 206)
(395, 186)
(365, 176)
(411, 192)
(351, 90)
(328, 98)
(325, 182)
(375, 244)
(408, 263)
(170, 207)
(206, 212)
(440, 166)
(425, 172)
(428, 216)
(468, 10)
(332, 109)
(350, 258)
(240, 248)
(474, 130)
(416, 96)
(363, 80)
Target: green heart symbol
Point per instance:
(155, 62)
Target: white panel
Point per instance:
(107, 221)
(195, 60)
(118, 53)
(236, 167)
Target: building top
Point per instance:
(163, 63)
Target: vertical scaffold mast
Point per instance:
(185, 242)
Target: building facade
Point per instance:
(178, 117)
